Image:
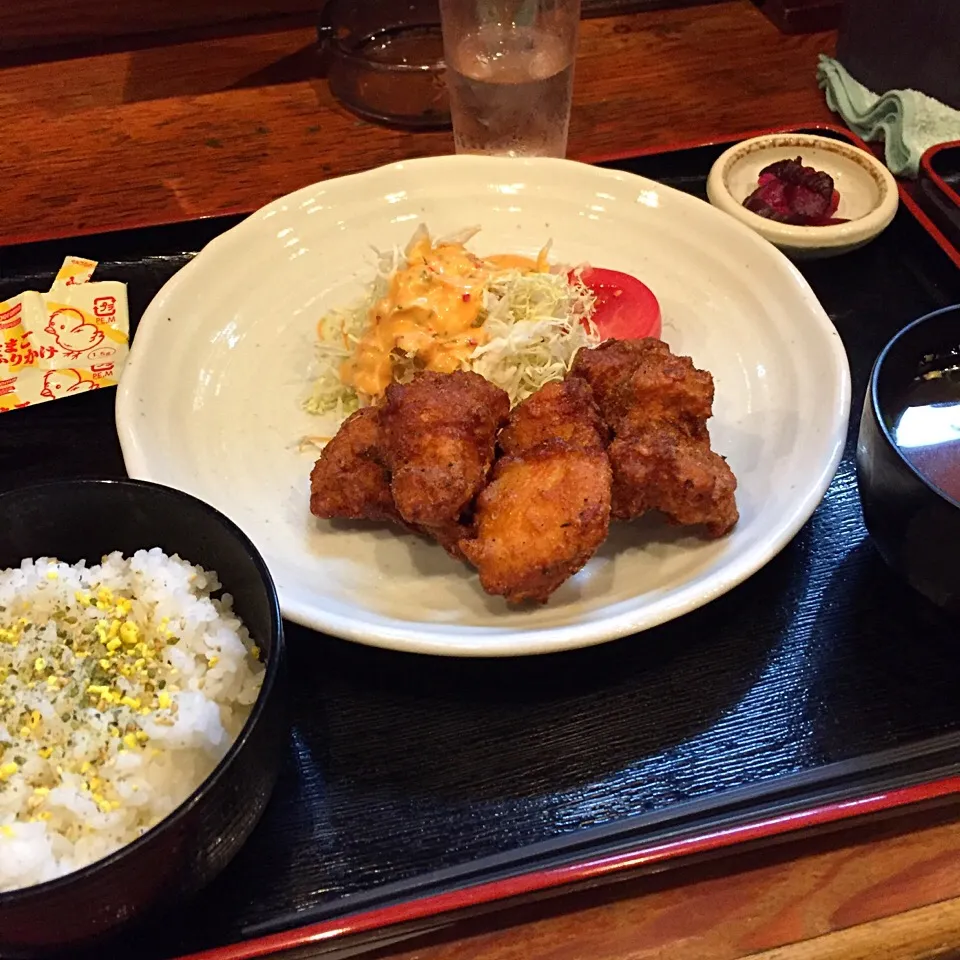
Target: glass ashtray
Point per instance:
(383, 60)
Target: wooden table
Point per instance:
(189, 129)
(195, 128)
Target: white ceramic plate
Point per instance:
(210, 398)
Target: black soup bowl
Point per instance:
(908, 456)
(83, 520)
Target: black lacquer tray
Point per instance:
(819, 690)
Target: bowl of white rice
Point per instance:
(141, 705)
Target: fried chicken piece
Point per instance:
(547, 508)
(605, 367)
(666, 390)
(658, 405)
(439, 442)
(561, 410)
(350, 480)
(639, 382)
(540, 519)
(661, 468)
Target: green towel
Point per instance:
(908, 121)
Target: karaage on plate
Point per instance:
(561, 410)
(439, 440)
(624, 433)
(661, 468)
(350, 480)
(547, 507)
(657, 405)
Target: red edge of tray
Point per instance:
(928, 171)
(485, 893)
(926, 162)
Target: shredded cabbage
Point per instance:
(339, 332)
(536, 323)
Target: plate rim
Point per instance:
(519, 641)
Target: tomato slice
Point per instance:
(624, 308)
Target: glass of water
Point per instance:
(510, 74)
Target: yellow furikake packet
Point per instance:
(71, 339)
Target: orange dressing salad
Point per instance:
(438, 306)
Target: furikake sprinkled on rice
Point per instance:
(121, 686)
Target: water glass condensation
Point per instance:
(510, 74)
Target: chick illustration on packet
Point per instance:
(71, 339)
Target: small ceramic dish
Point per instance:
(868, 192)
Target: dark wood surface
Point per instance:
(55, 23)
(189, 129)
(59, 25)
(803, 16)
(185, 130)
